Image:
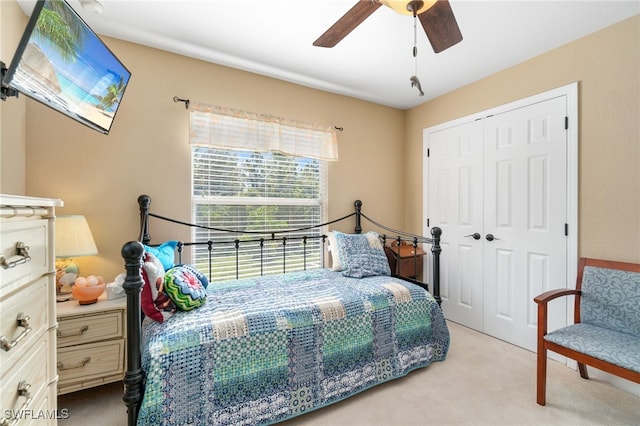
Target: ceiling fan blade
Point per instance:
(354, 17)
(441, 26)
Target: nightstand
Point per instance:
(91, 343)
(405, 260)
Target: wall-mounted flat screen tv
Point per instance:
(62, 63)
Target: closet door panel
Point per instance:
(525, 213)
(455, 185)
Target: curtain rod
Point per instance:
(187, 101)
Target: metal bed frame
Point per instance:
(133, 254)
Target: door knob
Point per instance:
(475, 236)
(490, 237)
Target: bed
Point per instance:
(265, 349)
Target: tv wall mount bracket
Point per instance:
(5, 90)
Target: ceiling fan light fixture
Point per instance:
(93, 6)
(407, 7)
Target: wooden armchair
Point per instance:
(606, 329)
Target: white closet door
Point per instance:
(503, 177)
(525, 157)
(455, 188)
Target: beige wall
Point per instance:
(12, 110)
(147, 150)
(607, 66)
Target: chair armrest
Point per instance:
(547, 296)
(542, 300)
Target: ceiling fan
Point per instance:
(435, 16)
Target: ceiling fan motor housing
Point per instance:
(414, 7)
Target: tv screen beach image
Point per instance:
(66, 66)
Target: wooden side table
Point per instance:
(91, 343)
(405, 260)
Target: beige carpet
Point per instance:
(484, 381)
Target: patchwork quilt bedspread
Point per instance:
(263, 350)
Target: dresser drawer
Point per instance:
(89, 328)
(20, 267)
(24, 319)
(44, 411)
(23, 387)
(90, 360)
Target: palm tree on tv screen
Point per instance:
(57, 25)
(114, 93)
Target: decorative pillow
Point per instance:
(199, 275)
(362, 255)
(164, 252)
(333, 249)
(184, 288)
(153, 300)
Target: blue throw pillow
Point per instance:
(362, 255)
(164, 253)
(199, 275)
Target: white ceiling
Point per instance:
(374, 62)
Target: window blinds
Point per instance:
(236, 187)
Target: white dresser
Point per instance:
(27, 311)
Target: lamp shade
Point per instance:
(73, 237)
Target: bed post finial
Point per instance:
(358, 205)
(144, 201)
(132, 252)
(436, 233)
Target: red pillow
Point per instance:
(154, 301)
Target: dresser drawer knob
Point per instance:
(84, 362)
(23, 391)
(23, 321)
(80, 332)
(21, 257)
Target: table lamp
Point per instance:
(73, 239)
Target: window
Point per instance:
(253, 173)
(252, 192)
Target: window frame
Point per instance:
(322, 202)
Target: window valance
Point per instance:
(235, 129)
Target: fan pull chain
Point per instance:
(415, 41)
(415, 82)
